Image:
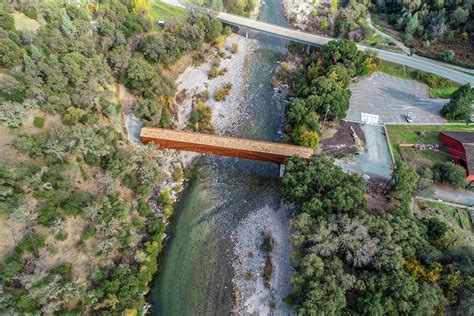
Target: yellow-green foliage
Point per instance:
(422, 273)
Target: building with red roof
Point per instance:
(460, 146)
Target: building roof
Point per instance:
(467, 141)
(227, 142)
(462, 137)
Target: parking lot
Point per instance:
(392, 98)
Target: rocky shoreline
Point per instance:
(254, 293)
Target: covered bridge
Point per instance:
(223, 145)
(460, 146)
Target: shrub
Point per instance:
(301, 135)
(12, 114)
(267, 272)
(89, 233)
(449, 173)
(436, 228)
(213, 72)
(201, 116)
(448, 55)
(38, 121)
(459, 107)
(224, 92)
(235, 48)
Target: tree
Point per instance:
(304, 137)
(10, 53)
(459, 107)
(338, 73)
(141, 76)
(149, 111)
(6, 21)
(436, 228)
(324, 24)
(448, 55)
(405, 181)
(327, 98)
(449, 173)
(322, 187)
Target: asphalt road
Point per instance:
(313, 39)
(392, 98)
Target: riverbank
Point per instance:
(226, 114)
(262, 247)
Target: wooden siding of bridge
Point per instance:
(223, 145)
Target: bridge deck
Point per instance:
(223, 145)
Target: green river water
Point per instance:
(195, 272)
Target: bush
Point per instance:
(448, 55)
(235, 48)
(436, 228)
(38, 122)
(201, 116)
(459, 107)
(224, 92)
(89, 233)
(302, 136)
(449, 173)
(213, 72)
(12, 114)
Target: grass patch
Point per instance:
(443, 93)
(458, 220)
(439, 86)
(164, 11)
(38, 121)
(408, 134)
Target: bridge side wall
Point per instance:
(214, 150)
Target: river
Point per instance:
(195, 274)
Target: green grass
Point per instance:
(458, 217)
(443, 93)
(38, 121)
(411, 74)
(164, 11)
(407, 134)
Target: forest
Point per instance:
(83, 205)
(441, 29)
(319, 87)
(352, 261)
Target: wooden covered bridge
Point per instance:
(223, 145)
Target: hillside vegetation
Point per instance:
(83, 211)
(355, 262)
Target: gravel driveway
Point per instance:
(377, 159)
(391, 98)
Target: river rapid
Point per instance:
(195, 273)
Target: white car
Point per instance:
(409, 118)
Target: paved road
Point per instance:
(392, 98)
(313, 39)
(449, 194)
(401, 45)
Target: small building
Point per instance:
(460, 146)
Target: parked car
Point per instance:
(409, 118)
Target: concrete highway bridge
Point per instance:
(223, 145)
(454, 73)
(415, 62)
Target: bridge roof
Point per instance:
(226, 142)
